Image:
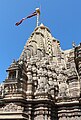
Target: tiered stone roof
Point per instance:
(45, 81)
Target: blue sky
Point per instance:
(62, 17)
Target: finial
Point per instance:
(73, 44)
(38, 11)
(80, 44)
(38, 15)
(14, 61)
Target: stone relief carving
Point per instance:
(70, 118)
(63, 89)
(62, 83)
(72, 71)
(1, 89)
(11, 107)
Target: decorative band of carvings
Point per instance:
(70, 118)
(70, 114)
(11, 107)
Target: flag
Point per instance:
(33, 14)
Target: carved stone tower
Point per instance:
(45, 82)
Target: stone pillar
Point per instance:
(78, 62)
(46, 83)
(79, 71)
(16, 74)
(28, 110)
(73, 74)
(51, 84)
(56, 90)
(34, 71)
(73, 83)
(40, 76)
(29, 82)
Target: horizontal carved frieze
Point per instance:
(11, 107)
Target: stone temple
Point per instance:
(45, 82)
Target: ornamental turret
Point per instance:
(16, 80)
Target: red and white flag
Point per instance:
(33, 14)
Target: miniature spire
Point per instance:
(73, 44)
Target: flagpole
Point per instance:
(38, 15)
(37, 20)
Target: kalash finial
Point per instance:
(38, 15)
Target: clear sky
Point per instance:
(62, 17)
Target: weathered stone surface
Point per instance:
(45, 82)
